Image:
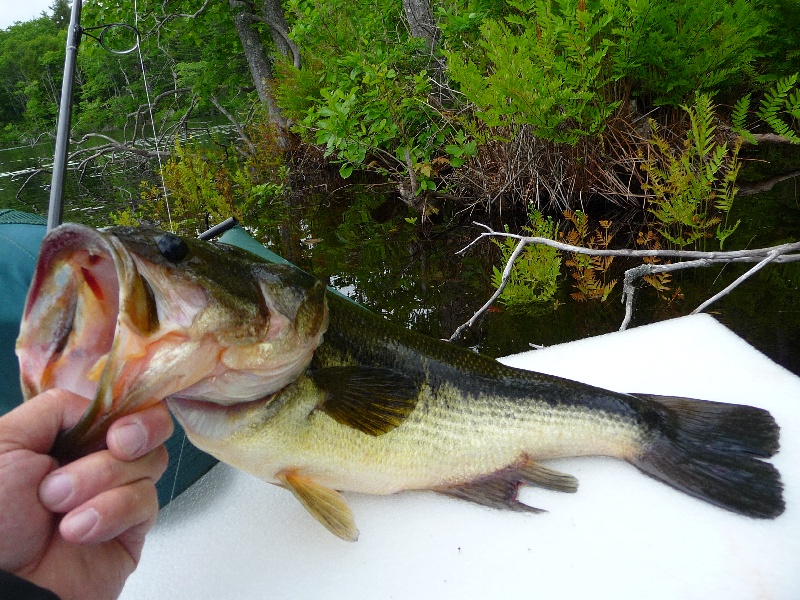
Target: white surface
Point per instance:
(621, 536)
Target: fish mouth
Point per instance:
(85, 291)
(76, 276)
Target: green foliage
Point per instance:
(363, 93)
(203, 186)
(543, 67)
(780, 43)
(198, 191)
(693, 188)
(674, 49)
(778, 103)
(780, 99)
(31, 63)
(534, 278)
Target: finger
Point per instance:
(133, 539)
(135, 435)
(35, 424)
(78, 482)
(112, 514)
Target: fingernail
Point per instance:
(55, 490)
(79, 526)
(131, 438)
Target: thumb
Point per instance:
(35, 424)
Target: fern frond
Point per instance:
(739, 119)
(739, 114)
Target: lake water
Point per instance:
(362, 242)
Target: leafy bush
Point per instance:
(202, 186)
(563, 66)
(543, 67)
(363, 93)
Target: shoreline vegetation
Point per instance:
(528, 114)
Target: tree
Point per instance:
(260, 68)
(60, 12)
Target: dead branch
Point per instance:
(766, 138)
(183, 15)
(242, 133)
(757, 187)
(783, 253)
(33, 174)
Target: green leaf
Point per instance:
(346, 170)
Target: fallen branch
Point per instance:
(692, 259)
(242, 133)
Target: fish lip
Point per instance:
(61, 240)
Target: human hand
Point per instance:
(77, 529)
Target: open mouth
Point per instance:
(70, 317)
(87, 308)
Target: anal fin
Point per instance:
(499, 489)
(326, 505)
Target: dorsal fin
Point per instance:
(374, 400)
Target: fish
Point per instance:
(276, 375)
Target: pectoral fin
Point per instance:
(499, 489)
(374, 400)
(325, 504)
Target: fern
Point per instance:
(693, 190)
(778, 100)
(739, 119)
(534, 278)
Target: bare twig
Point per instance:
(242, 133)
(33, 174)
(636, 273)
(770, 258)
(693, 259)
(503, 282)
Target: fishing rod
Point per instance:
(74, 34)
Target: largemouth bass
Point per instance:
(307, 390)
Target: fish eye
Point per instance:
(172, 247)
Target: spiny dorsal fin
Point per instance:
(374, 400)
(499, 489)
(326, 505)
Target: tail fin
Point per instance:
(712, 451)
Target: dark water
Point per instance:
(365, 242)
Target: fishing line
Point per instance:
(177, 468)
(152, 120)
(166, 203)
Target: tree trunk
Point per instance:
(260, 68)
(274, 15)
(421, 21)
(422, 25)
